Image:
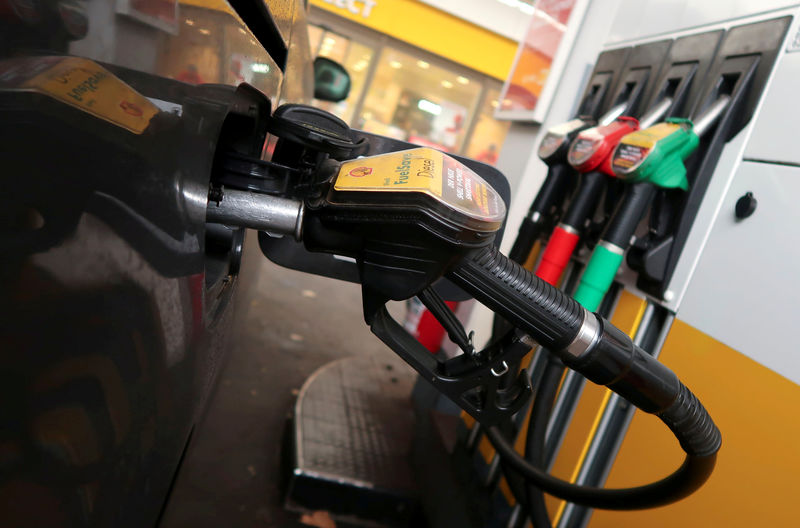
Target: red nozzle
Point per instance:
(556, 255)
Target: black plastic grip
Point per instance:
(691, 424)
(649, 385)
(629, 213)
(545, 313)
(585, 201)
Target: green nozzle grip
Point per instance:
(597, 277)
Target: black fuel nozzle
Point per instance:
(409, 218)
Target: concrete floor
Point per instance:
(296, 323)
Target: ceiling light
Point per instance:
(258, 67)
(422, 64)
(189, 22)
(462, 80)
(204, 31)
(495, 104)
(430, 107)
(447, 84)
(395, 64)
(242, 31)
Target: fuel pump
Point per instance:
(589, 154)
(411, 217)
(648, 159)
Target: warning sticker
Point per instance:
(628, 158)
(427, 171)
(83, 84)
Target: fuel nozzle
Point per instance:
(555, 143)
(410, 218)
(649, 159)
(554, 150)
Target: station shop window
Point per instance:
(354, 56)
(404, 95)
(413, 100)
(489, 134)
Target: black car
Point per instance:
(117, 303)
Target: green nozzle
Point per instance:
(597, 277)
(657, 154)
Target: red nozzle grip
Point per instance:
(556, 255)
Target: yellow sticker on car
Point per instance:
(83, 84)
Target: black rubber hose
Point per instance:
(547, 314)
(548, 200)
(689, 477)
(537, 431)
(629, 213)
(550, 317)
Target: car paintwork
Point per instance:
(112, 328)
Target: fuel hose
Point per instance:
(551, 194)
(535, 440)
(567, 234)
(605, 355)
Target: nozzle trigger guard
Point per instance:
(474, 386)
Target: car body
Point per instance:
(117, 305)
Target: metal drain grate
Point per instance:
(353, 434)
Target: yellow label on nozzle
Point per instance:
(427, 171)
(648, 137)
(410, 170)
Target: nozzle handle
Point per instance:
(550, 196)
(545, 313)
(557, 254)
(608, 254)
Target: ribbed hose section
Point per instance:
(692, 425)
(545, 313)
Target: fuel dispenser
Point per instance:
(690, 58)
(597, 97)
(678, 81)
(592, 149)
(418, 222)
(719, 99)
